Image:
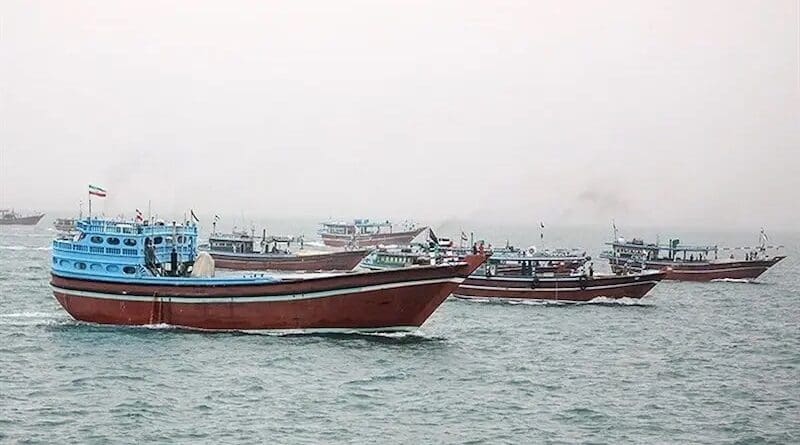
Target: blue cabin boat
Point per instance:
(124, 273)
(115, 249)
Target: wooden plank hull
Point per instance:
(561, 289)
(369, 301)
(707, 271)
(327, 261)
(372, 240)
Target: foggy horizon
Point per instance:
(647, 114)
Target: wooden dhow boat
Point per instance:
(365, 233)
(131, 273)
(243, 251)
(691, 263)
(518, 278)
(12, 218)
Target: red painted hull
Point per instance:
(562, 289)
(703, 271)
(373, 240)
(388, 300)
(322, 261)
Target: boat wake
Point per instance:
(395, 337)
(415, 336)
(600, 301)
(737, 280)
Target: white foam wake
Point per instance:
(24, 248)
(735, 280)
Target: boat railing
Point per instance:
(162, 250)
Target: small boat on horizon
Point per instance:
(366, 233)
(243, 251)
(133, 273)
(12, 218)
(690, 263)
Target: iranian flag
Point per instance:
(97, 191)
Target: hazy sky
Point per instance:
(650, 112)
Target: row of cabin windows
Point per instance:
(394, 259)
(79, 265)
(114, 241)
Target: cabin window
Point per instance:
(55, 260)
(181, 239)
(96, 239)
(130, 242)
(112, 268)
(64, 263)
(130, 270)
(147, 241)
(95, 267)
(158, 240)
(113, 241)
(80, 266)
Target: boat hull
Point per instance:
(340, 261)
(368, 301)
(372, 240)
(22, 221)
(561, 289)
(707, 271)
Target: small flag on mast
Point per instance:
(216, 218)
(194, 217)
(97, 191)
(464, 236)
(139, 217)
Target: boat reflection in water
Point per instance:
(129, 273)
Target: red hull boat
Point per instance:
(690, 263)
(707, 271)
(366, 233)
(559, 288)
(346, 260)
(240, 251)
(394, 300)
(372, 240)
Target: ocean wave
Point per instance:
(16, 247)
(26, 315)
(32, 319)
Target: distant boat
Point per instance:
(242, 251)
(690, 263)
(65, 225)
(365, 233)
(12, 218)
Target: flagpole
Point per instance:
(90, 205)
